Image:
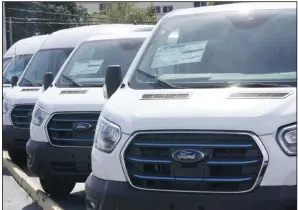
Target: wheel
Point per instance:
(56, 188)
(18, 157)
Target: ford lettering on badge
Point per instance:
(188, 156)
(81, 126)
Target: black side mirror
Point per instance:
(113, 79)
(14, 80)
(47, 80)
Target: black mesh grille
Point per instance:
(21, 116)
(232, 162)
(62, 131)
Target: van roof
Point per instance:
(26, 46)
(234, 7)
(67, 38)
(118, 36)
(119, 28)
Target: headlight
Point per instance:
(107, 135)
(287, 139)
(6, 106)
(38, 115)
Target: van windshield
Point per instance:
(253, 49)
(87, 66)
(49, 60)
(16, 67)
(6, 62)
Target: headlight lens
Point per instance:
(107, 135)
(287, 139)
(38, 115)
(6, 106)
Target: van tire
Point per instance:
(56, 189)
(18, 157)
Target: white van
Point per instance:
(65, 116)
(18, 104)
(206, 123)
(18, 56)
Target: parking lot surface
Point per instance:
(75, 201)
(14, 197)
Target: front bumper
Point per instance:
(112, 195)
(64, 163)
(15, 138)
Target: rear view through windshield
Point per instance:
(44, 61)
(88, 64)
(16, 67)
(204, 50)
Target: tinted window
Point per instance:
(6, 62)
(88, 64)
(223, 47)
(16, 66)
(44, 61)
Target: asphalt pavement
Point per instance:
(75, 201)
(14, 197)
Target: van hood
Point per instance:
(204, 109)
(72, 100)
(6, 88)
(23, 95)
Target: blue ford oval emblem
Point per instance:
(81, 126)
(188, 156)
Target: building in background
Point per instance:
(98, 5)
(161, 8)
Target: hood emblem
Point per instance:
(29, 114)
(188, 156)
(81, 126)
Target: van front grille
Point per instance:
(72, 129)
(232, 162)
(21, 116)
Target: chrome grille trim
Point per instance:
(71, 112)
(255, 137)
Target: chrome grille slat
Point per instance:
(61, 132)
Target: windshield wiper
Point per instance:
(28, 81)
(160, 81)
(258, 84)
(72, 81)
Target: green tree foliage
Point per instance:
(125, 12)
(225, 2)
(32, 18)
